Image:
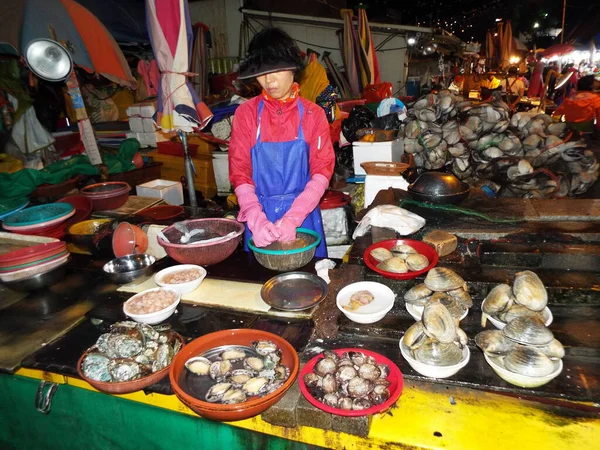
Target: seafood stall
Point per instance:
(472, 323)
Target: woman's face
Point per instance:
(277, 84)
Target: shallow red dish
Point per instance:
(395, 378)
(419, 246)
(159, 214)
(30, 254)
(82, 205)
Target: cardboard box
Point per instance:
(170, 191)
(376, 151)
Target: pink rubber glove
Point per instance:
(304, 204)
(263, 231)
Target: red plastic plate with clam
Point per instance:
(395, 387)
(420, 247)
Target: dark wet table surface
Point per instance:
(568, 266)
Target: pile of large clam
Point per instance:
(526, 298)
(443, 286)
(401, 258)
(436, 339)
(131, 351)
(236, 373)
(525, 346)
(525, 155)
(350, 381)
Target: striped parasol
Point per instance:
(349, 52)
(368, 58)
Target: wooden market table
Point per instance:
(474, 409)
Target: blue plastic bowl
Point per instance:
(38, 214)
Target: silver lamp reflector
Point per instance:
(48, 59)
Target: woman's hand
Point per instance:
(265, 234)
(287, 230)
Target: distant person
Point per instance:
(536, 83)
(582, 108)
(488, 86)
(550, 77)
(513, 88)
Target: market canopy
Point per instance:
(91, 45)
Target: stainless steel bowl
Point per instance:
(129, 268)
(438, 187)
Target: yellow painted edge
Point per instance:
(422, 418)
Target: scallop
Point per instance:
(528, 361)
(233, 355)
(438, 353)
(443, 279)
(369, 372)
(254, 363)
(418, 295)
(439, 323)
(380, 254)
(494, 342)
(219, 370)
(530, 291)
(217, 391)
(198, 365)
(528, 330)
(325, 366)
(417, 262)
(233, 396)
(393, 265)
(499, 299)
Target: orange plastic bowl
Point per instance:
(129, 239)
(240, 411)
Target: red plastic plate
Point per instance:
(395, 378)
(421, 247)
(29, 254)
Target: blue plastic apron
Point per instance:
(280, 171)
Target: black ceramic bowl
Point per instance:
(438, 187)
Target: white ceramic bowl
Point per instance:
(180, 288)
(429, 370)
(374, 311)
(548, 317)
(417, 311)
(522, 380)
(157, 316)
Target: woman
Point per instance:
(513, 89)
(280, 153)
(582, 109)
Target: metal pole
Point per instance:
(562, 33)
(190, 170)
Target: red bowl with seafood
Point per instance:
(395, 379)
(125, 387)
(239, 337)
(420, 247)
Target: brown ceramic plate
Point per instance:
(126, 387)
(243, 337)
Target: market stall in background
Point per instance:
(460, 291)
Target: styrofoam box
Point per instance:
(376, 183)
(390, 151)
(170, 191)
(221, 168)
(135, 125)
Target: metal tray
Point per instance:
(294, 291)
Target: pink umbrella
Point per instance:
(179, 107)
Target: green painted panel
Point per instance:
(82, 419)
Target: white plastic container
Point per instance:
(376, 151)
(154, 317)
(220, 162)
(180, 288)
(432, 371)
(170, 191)
(376, 183)
(374, 311)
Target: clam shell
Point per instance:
(494, 341)
(528, 330)
(394, 265)
(443, 279)
(529, 290)
(329, 384)
(325, 366)
(414, 336)
(439, 353)
(499, 299)
(516, 311)
(453, 305)
(380, 254)
(417, 262)
(438, 322)
(403, 249)
(369, 372)
(462, 295)
(528, 361)
(553, 350)
(418, 295)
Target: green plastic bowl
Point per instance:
(283, 260)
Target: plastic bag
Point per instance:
(360, 117)
(389, 122)
(389, 216)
